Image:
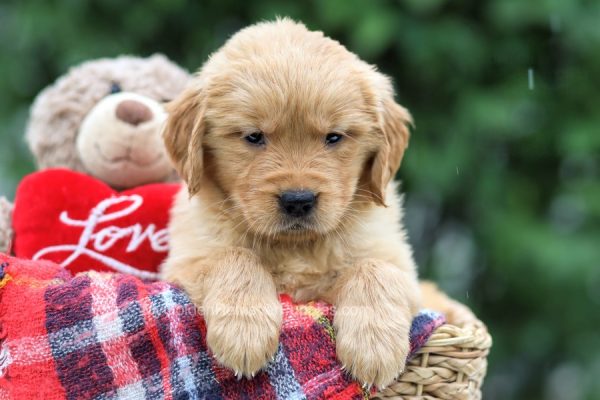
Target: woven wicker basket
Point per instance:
(452, 364)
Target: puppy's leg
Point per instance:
(239, 301)
(375, 304)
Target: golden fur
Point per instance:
(232, 249)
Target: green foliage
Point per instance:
(503, 199)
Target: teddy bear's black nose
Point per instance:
(133, 112)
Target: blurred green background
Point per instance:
(502, 173)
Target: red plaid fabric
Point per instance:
(112, 336)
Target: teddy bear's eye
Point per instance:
(115, 88)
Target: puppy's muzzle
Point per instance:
(297, 203)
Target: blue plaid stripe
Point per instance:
(140, 343)
(81, 364)
(72, 338)
(191, 375)
(202, 373)
(132, 318)
(182, 379)
(283, 379)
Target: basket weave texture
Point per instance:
(453, 362)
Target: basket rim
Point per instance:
(452, 335)
(451, 364)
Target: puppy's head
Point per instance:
(291, 127)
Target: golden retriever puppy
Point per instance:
(288, 144)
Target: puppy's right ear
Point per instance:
(183, 135)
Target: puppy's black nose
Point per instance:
(297, 203)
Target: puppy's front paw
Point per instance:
(371, 348)
(244, 337)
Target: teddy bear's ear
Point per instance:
(6, 209)
(183, 135)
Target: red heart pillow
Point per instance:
(81, 223)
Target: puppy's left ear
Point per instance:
(394, 121)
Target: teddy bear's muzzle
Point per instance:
(120, 140)
(133, 112)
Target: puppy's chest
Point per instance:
(306, 274)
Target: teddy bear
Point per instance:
(104, 118)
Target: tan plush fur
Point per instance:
(6, 232)
(233, 250)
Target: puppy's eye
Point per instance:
(255, 138)
(115, 88)
(333, 138)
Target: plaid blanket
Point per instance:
(113, 336)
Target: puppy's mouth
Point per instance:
(297, 227)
